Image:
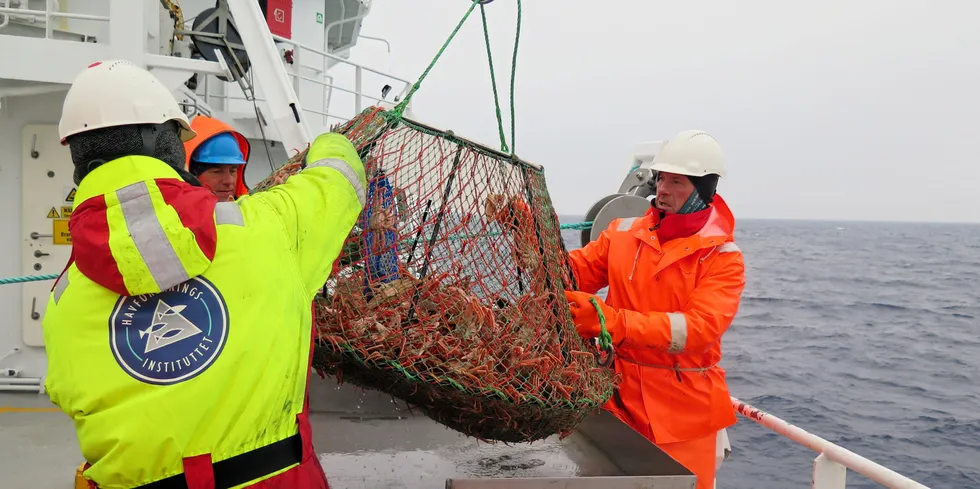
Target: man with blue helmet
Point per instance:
(217, 157)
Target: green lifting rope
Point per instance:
(397, 112)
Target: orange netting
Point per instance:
(444, 299)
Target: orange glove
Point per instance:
(586, 318)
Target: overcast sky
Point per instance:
(865, 110)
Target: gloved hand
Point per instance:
(331, 145)
(586, 317)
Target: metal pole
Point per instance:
(19, 388)
(35, 381)
(878, 473)
(270, 72)
(357, 88)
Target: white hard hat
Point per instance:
(693, 153)
(118, 93)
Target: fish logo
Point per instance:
(172, 336)
(170, 321)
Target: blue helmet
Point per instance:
(221, 149)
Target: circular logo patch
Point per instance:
(172, 336)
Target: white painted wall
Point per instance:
(15, 113)
(306, 31)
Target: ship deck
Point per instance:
(366, 440)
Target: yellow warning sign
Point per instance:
(71, 195)
(53, 213)
(66, 211)
(60, 233)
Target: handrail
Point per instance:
(825, 477)
(48, 14)
(6, 17)
(52, 13)
(338, 58)
(357, 91)
(362, 36)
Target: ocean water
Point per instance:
(866, 334)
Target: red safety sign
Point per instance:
(279, 16)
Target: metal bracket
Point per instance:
(638, 182)
(214, 30)
(610, 208)
(632, 200)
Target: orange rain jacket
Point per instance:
(207, 127)
(674, 301)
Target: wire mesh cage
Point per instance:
(444, 299)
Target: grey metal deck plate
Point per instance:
(367, 440)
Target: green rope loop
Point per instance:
(577, 225)
(605, 339)
(493, 83)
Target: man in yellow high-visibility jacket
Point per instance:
(179, 335)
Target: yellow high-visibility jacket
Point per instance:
(183, 326)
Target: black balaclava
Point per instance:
(705, 186)
(91, 149)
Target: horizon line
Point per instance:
(828, 220)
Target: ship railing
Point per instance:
(830, 466)
(47, 14)
(298, 70)
(326, 82)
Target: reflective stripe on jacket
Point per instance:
(184, 325)
(676, 301)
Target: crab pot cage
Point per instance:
(443, 298)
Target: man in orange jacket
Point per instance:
(675, 279)
(217, 157)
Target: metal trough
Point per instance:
(367, 440)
